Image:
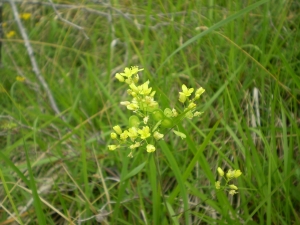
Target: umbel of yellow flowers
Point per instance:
(148, 121)
(231, 174)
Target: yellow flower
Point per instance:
(197, 113)
(10, 34)
(113, 135)
(146, 119)
(150, 148)
(233, 187)
(113, 147)
(174, 112)
(128, 72)
(237, 173)
(221, 172)
(25, 16)
(199, 92)
(117, 129)
(120, 77)
(21, 79)
(232, 192)
(217, 185)
(124, 135)
(135, 145)
(191, 105)
(143, 89)
(157, 135)
(145, 132)
(182, 97)
(186, 91)
(132, 133)
(230, 174)
(233, 174)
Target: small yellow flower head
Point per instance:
(221, 172)
(113, 135)
(124, 135)
(232, 192)
(230, 174)
(191, 105)
(237, 173)
(218, 185)
(25, 16)
(135, 145)
(128, 72)
(182, 97)
(132, 106)
(117, 129)
(145, 132)
(130, 155)
(233, 187)
(132, 133)
(146, 119)
(197, 113)
(186, 91)
(126, 103)
(113, 147)
(157, 135)
(150, 148)
(136, 78)
(174, 112)
(120, 77)
(143, 89)
(20, 79)
(199, 92)
(134, 88)
(10, 34)
(233, 174)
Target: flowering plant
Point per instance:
(149, 122)
(231, 174)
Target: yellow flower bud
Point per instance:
(217, 185)
(150, 148)
(117, 129)
(113, 135)
(200, 91)
(237, 173)
(191, 105)
(233, 187)
(119, 77)
(232, 192)
(230, 174)
(157, 135)
(113, 147)
(124, 135)
(221, 172)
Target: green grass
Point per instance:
(56, 171)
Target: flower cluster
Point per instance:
(146, 125)
(231, 174)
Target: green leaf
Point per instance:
(179, 134)
(135, 171)
(156, 126)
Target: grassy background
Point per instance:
(61, 172)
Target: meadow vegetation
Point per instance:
(55, 162)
